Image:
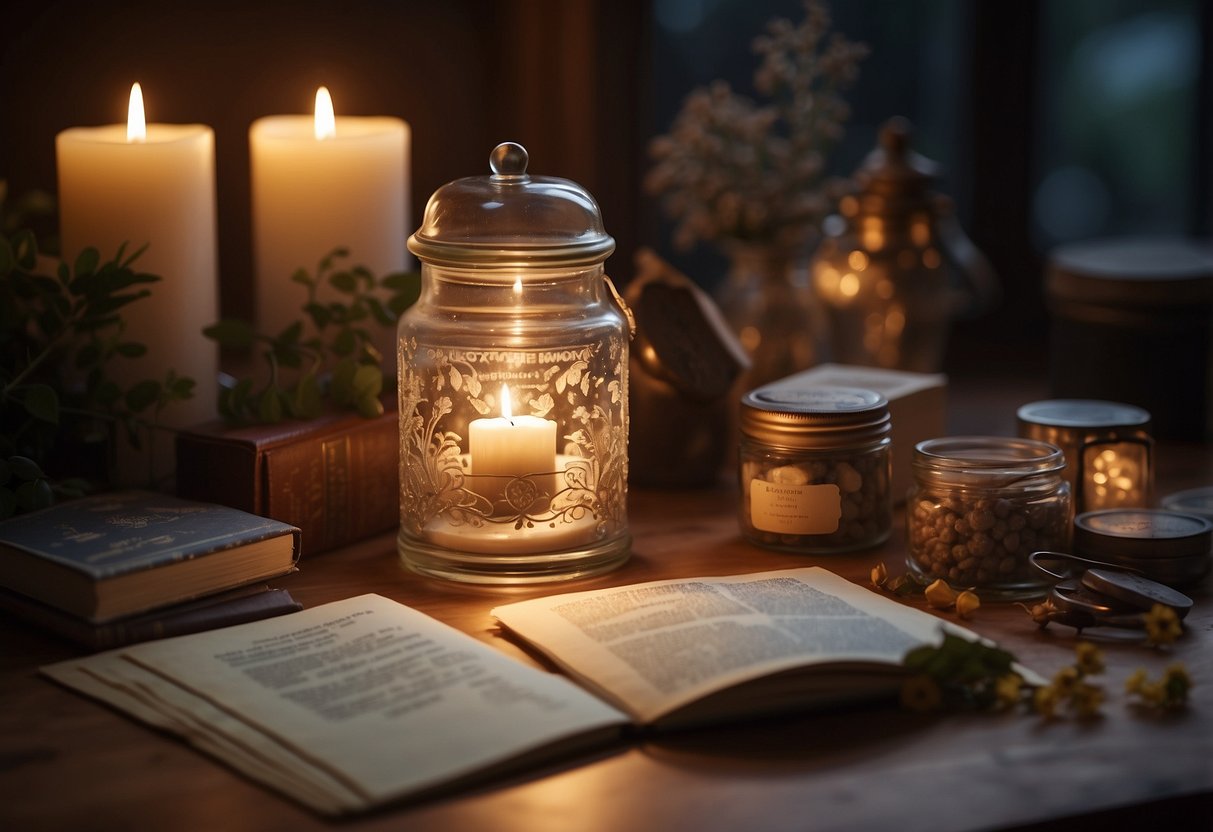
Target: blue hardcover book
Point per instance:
(117, 554)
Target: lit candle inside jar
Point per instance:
(511, 449)
(1113, 478)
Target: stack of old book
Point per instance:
(130, 566)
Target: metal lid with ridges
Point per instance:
(814, 417)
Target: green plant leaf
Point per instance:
(344, 282)
(345, 342)
(380, 312)
(135, 256)
(143, 395)
(301, 276)
(131, 349)
(342, 384)
(88, 355)
(326, 262)
(34, 495)
(269, 408)
(307, 399)
(25, 249)
(369, 407)
(87, 261)
(25, 468)
(292, 333)
(182, 387)
(406, 289)
(41, 402)
(231, 332)
(107, 392)
(368, 381)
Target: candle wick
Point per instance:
(511, 418)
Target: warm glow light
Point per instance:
(136, 123)
(857, 260)
(326, 122)
(849, 285)
(518, 285)
(506, 411)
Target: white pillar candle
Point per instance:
(320, 182)
(152, 184)
(507, 447)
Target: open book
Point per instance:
(362, 702)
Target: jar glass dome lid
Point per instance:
(511, 218)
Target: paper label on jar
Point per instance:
(795, 509)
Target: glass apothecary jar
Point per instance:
(815, 468)
(512, 370)
(980, 506)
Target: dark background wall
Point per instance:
(465, 74)
(999, 92)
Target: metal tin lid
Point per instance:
(1130, 272)
(1198, 501)
(1165, 545)
(511, 218)
(1083, 413)
(814, 417)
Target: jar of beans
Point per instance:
(814, 468)
(980, 506)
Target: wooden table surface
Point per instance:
(67, 762)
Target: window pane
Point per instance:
(1117, 138)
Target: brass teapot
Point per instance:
(894, 267)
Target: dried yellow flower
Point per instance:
(939, 595)
(967, 603)
(879, 575)
(1007, 690)
(1045, 700)
(1176, 682)
(1090, 658)
(1065, 680)
(1162, 625)
(1086, 699)
(921, 693)
(1169, 693)
(1039, 612)
(1137, 681)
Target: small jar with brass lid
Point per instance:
(815, 469)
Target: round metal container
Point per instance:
(1166, 546)
(1132, 321)
(1108, 448)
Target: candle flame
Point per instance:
(136, 124)
(326, 122)
(506, 411)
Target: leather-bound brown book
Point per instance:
(336, 477)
